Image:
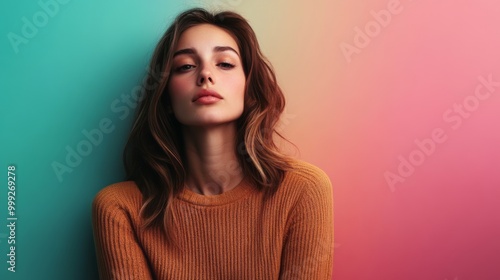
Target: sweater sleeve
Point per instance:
(308, 245)
(119, 255)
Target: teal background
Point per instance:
(61, 82)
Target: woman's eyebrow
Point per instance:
(225, 48)
(216, 49)
(184, 51)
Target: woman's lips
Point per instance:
(207, 99)
(206, 96)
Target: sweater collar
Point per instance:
(241, 190)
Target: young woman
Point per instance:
(209, 194)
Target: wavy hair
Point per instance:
(154, 153)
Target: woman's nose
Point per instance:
(205, 77)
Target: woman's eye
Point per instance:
(226, 65)
(184, 68)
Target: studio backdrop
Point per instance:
(397, 100)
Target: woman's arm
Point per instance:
(308, 246)
(119, 255)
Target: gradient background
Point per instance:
(355, 116)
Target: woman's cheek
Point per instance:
(177, 87)
(173, 85)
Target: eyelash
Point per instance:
(224, 65)
(227, 65)
(183, 68)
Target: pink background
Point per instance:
(355, 115)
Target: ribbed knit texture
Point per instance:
(234, 235)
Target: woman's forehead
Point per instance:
(205, 37)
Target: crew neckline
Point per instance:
(241, 190)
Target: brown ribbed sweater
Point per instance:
(233, 235)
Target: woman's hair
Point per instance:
(154, 154)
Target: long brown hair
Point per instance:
(154, 153)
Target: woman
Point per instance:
(210, 195)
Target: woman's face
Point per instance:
(207, 81)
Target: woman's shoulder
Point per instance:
(306, 188)
(305, 173)
(305, 181)
(116, 209)
(123, 195)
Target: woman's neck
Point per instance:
(212, 163)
